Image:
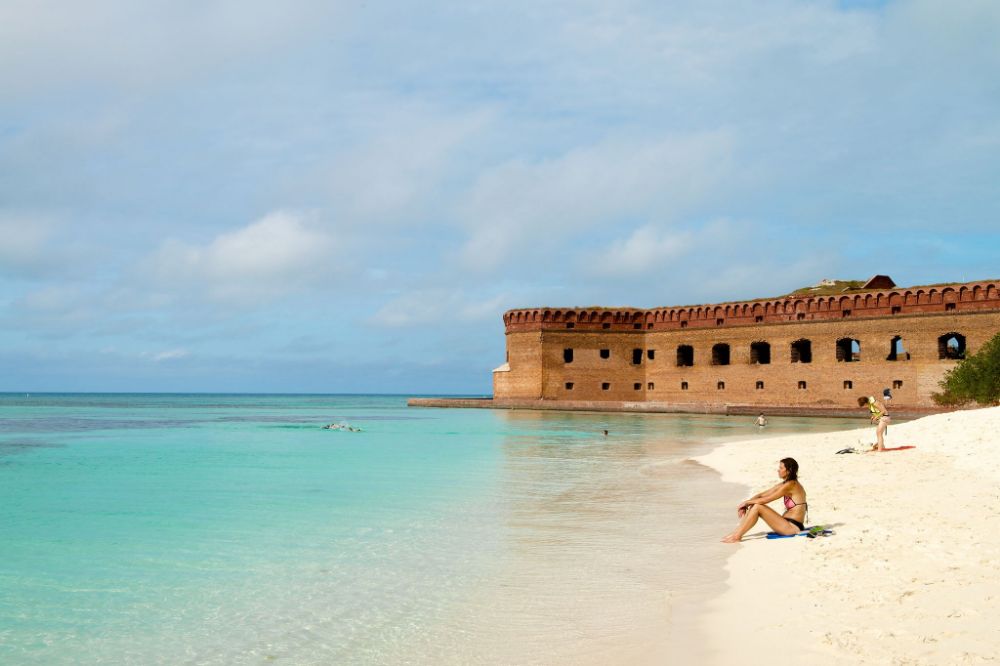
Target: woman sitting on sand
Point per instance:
(755, 508)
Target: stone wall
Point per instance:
(632, 355)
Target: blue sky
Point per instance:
(345, 196)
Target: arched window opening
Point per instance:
(760, 352)
(897, 352)
(721, 386)
(684, 386)
(605, 353)
(848, 350)
(951, 346)
(760, 385)
(685, 356)
(720, 354)
(802, 351)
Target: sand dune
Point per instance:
(912, 575)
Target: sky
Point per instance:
(323, 196)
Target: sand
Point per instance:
(912, 575)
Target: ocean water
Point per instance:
(233, 529)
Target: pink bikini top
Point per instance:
(790, 503)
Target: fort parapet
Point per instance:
(791, 353)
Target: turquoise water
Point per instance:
(219, 529)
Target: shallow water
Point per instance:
(220, 529)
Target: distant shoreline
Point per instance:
(659, 407)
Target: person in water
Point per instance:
(879, 417)
(792, 521)
(761, 421)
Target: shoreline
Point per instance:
(652, 407)
(912, 574)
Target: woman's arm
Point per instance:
(769, 495)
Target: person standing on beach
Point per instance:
(754, 509)
(879, 416)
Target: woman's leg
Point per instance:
(880, 434)
(770, 516)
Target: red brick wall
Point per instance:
(536, 339)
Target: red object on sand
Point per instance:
(899, 448)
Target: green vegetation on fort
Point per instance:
(830, 288)
(974, 379)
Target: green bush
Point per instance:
(976, 378)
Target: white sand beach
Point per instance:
(912, 575)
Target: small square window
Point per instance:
(949, 306)
(605, 386)
(800, 316)
(758, 319)
(845, 313)
(848, 384)
(605, 353)
(760, 385)
(567, 355)
(650, 325)
(720, 322)
(650, 386)
(897, 383)
(636, 326)
(605, 325)
(684, 386)
(721, 386)
(569, 386)
(570, 325)
(650, 354)
(684, 324)
(802, 385)
(637, 386)
(896, 309)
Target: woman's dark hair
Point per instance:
(863, 401)
(791, 467)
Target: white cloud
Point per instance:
(645, 249)
(527, 208)
(27, 245)
(420, 307)
(397, 168)
(280, 253)
(167, 355)
(47, 43)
